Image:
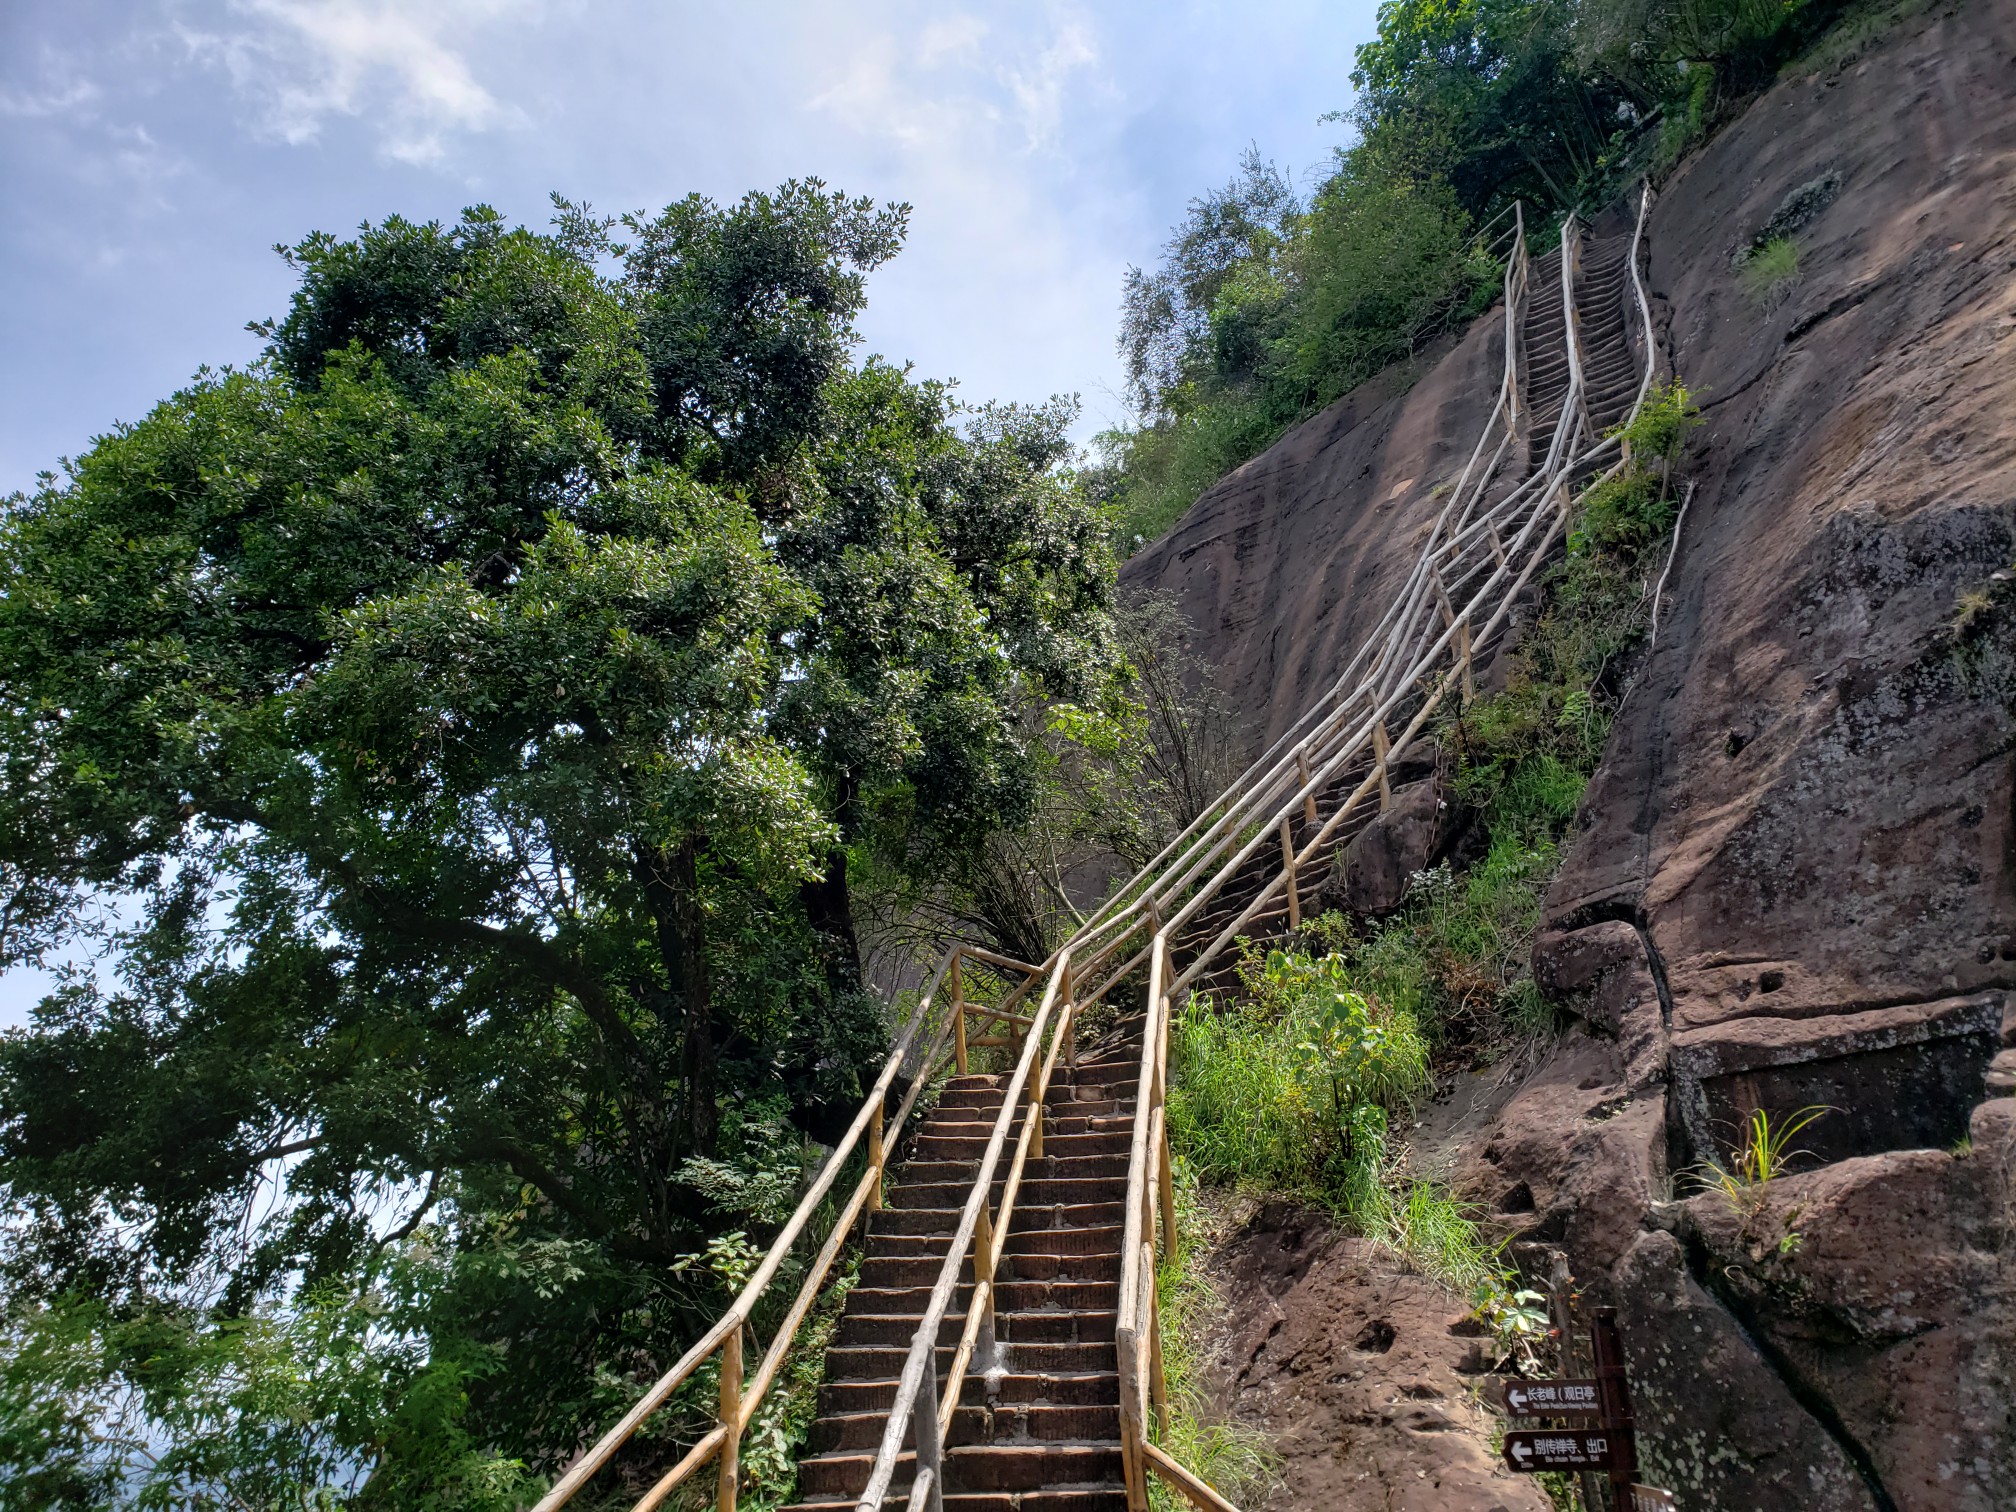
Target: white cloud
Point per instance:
(960, 80)
(58, 97)
(402, 66)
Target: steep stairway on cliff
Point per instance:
(1018, 1279)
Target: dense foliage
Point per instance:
(461, 735)
(1268, 304)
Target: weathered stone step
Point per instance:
(1090, 1326)
(870, 1361)
(1051, 1499)
(975, 1467)
(1052, 1165)
(1055, 1387)
(1011, 1423)
(940, 1222)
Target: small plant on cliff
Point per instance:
(1769, 269)
(1760, 1157)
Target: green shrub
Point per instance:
(1768, 269)
(1289, 1090)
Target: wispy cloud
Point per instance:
(402, 66)
(958, 77)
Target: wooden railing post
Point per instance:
(1308, 798)
(958, 1015)
(1463, 656)
(1158, 1384)
(1070, 1022)
(1380, 746)
(877, 1160)
(1036, 1090)
(1167, 1191)
(924, 1433)
(731, 1420)
(1288, 865)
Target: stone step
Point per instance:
(1055, 1387)
(1052, 1165)
(1037, 1422)
(1054, 1499)
(972, 1467)
(1090, 1326)
(863, 1362)
(940, 1222)
(955, 1145)
(1009, 1296)
(892, 1271)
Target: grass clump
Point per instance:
(1763, 1154)
(1289, 1089)
(1234, 1458)
(1769, 269)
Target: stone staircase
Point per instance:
(1040, 1432)
(1610, 368)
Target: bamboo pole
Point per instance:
(876, 1159)
(692, 1460)
(1197, 1492)
(1380, 747)
(731, 1421)
(959, 1015)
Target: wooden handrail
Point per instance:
(914, 1412)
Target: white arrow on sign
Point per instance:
(1520, 1452)
(1515, 1398)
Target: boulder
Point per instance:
(1378, 863)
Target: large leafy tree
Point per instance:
(459, 731)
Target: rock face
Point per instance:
(1794, 881)
(1364, 1376)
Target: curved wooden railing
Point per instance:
(1479, 556)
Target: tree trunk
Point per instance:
(672, 880)
(829, 908)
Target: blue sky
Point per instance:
(153, 151)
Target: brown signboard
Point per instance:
(1529, 1451)
(1556, 1399)
(1651, 1499)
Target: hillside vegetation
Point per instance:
(1269, 303)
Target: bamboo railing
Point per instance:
(1479, 556)
(740, 1398)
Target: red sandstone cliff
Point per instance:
(1795, 881)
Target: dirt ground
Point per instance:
(1367, 1379)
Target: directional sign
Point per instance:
(1530, 1451)
(1651, 1499)
(1553, 1399)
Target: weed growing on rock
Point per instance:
(1761, 1157)
(1769, 269)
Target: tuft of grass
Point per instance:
(1768, 269)
(1235, 1458)
(1760, 1157)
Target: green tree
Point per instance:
(478, 709)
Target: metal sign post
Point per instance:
(1606, 1446)
(1608, 1350)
